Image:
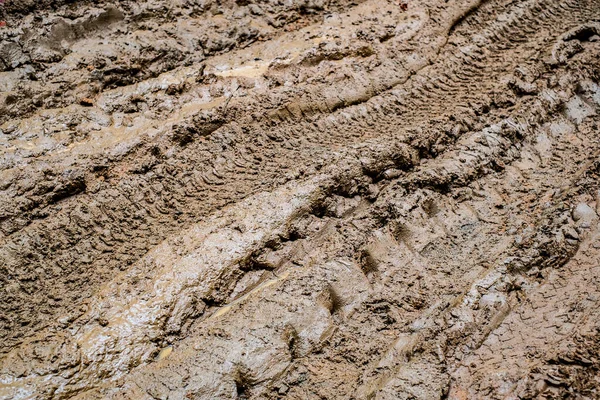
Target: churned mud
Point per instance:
(312, 199)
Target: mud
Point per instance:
(306, 200)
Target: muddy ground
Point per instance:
(311, 199)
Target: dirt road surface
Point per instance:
(308, 199)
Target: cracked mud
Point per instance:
(313, 199)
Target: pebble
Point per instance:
(164, 352)
(583, 213)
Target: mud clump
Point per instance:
(309, 199)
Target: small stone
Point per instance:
(164, 352)
(86, 101)
(283, 389)
(584, 213)
(570, 233)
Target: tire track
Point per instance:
(115, 222)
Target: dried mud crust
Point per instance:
(360, 201)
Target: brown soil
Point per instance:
(313, 199)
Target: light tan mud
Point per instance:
(317, 199)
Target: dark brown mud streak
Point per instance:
(53, 264)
